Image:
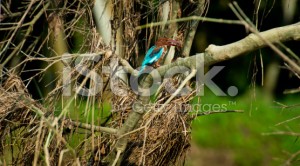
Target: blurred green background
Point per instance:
(241, 138)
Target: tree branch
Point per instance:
(215, 20)
(253, 42)
(89, 127)
(214, 54)
(220, 111)
(248, 24)
(201, 4)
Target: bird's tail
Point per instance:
(140, 72)
(141, 69)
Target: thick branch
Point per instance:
(214, 53)
(253, 42)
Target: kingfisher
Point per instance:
(156, 53)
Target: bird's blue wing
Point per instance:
(152, 55)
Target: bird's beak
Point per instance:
(172, 42)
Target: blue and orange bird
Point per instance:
(156, 53)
